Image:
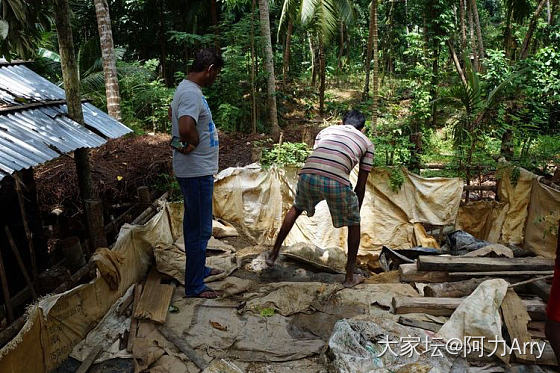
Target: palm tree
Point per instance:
(474, 9)
(531, 30)
(269, 67)
(109, 59)
(372, 49)
(322, 19)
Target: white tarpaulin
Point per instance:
(258, 199)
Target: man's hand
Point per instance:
(188, 132)
(186, 150)
(360, 188)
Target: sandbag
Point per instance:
(331, 259)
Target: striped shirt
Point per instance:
(336, 152)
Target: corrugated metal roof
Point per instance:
(29, 137)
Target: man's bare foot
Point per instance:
(356, 279)
(270, 258)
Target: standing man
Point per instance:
(195, 162)
(325, 176)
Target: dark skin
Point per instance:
(353, 235)
(189, 134)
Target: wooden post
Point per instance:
(28, 233)
(144, 195)
(73, 254)
(96, 226)
(20, 261)
(6, 291)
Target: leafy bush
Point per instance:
(286, 154)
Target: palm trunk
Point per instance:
(214, 19)
(341, 45)
(474, 9)
(375, 77)
(253, 62)
(286, 62)
(313, 53)
(372, 23)
(531, 30)
(72, 90)
(463, 25)
(434, 84)
(269, 67)
(162, 43)
(322, 73)
(109, 59)
(473, 41)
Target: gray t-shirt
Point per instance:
(203, 160)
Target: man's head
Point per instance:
(354, 118)
(206, 66)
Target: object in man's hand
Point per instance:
(178, 144)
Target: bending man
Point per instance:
(325, 176)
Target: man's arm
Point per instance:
(188, 133)
(360, 188)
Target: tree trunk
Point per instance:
(456, 62)
(72, 89)
(322, 73)
(162, 43)
(463, 25)
(313, 53)
(286, 62)
(372, 23)
(506, 149)
(474, 9)
(109, 59)
(253, 62)
(473, 41)
(269, 67)
(507, 32)
(531, 30)
(434, 84)
(375, 77)
(214, 18)
(341, 45)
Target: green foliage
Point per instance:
(396, 178)
(286, 154)
(267, 312)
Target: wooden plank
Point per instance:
(183, 346)
(134, 320)
(516, 319)
(445, 306)
(499, 274)
(28, 234)
(86, 364)
(121, 309)
(155, 299)
(409, 273)
(477, 264)
(453, 289)
(426, 325)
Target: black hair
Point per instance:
(354, 118)
(206, 57)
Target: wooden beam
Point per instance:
(455, 276)
(20, 261)
(6, 290)
(86, 364)
(453, 289)
(28, 232)
(7, 334)
(426, 325)
(516, 319)
(410, 273)
(477, 264)
(134, 320)
(182, 344)
(446, 306)
(33, 105)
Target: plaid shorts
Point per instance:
(341, 199)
